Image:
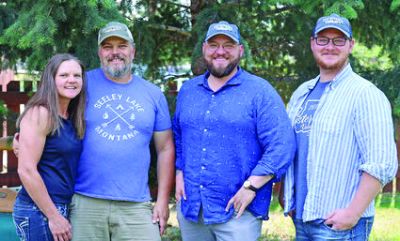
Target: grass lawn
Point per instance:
(279, 228)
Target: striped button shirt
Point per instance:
(351, 133)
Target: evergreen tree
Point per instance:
(168, 33)
(42, 28)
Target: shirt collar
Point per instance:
(235, 80)
(346, 71)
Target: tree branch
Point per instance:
(271, 12)
(279, 10)
(177, 4)
(171, 29)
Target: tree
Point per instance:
(162, 35)
(36, 30)
(168, 33)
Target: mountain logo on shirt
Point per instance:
(118, 117)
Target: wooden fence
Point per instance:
(13, 96)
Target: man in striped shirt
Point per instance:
(346, 151)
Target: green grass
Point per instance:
(387, 218)
(279, 228)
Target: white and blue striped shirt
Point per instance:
(352, 132)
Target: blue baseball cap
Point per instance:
(333, 21)
(224, 28)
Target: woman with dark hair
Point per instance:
(51, 129)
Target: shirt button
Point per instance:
(208, 112)
(204, 149)
(201, 186)
(203, 167)
(205, 130)
(213, 96)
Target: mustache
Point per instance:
(116, 56)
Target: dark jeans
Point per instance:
(31, 224)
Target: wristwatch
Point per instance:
(247, 185)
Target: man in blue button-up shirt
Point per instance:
(233, 138)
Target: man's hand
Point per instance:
(346, 218)
(240, 201)
(161, 215)
(342, 219)
(179, 186)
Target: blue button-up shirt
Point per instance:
(351, 133)
(224, 137)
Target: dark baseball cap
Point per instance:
(333, 21)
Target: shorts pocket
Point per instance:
(148, 205)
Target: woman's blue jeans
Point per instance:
(30, 223)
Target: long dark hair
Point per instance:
(47, 96)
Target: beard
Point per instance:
(332, 66)
(222, 72)
(116, 71)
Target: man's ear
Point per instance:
(241, 51)
(352, 42)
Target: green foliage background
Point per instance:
(170, 33)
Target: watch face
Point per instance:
(247, 185)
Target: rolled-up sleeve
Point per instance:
(375, 135)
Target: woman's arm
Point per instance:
(33, 132)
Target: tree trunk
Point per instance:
(196, 6)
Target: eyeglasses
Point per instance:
(226, 46)
(322, 41)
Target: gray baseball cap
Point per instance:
(115, 29)
(224, 28)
